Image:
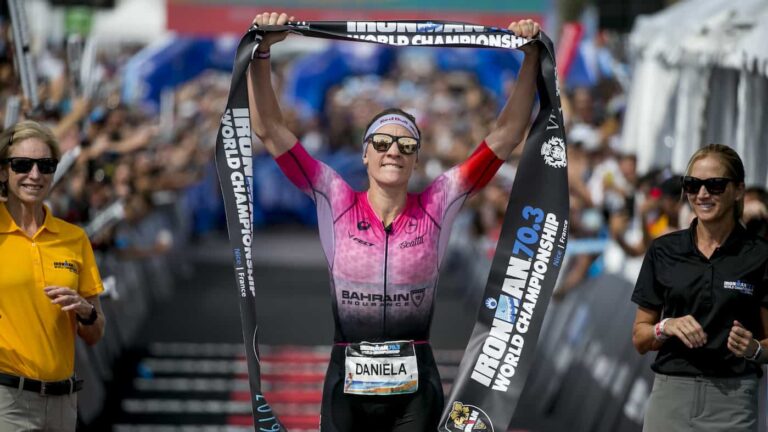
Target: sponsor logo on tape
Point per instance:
(467, 418)
(553, 152)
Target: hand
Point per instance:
(741, 341)
(528, 29)
(81, 105)
(69, 300)
(688, 330)
(271, 18)
(525, 28)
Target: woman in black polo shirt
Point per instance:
(702, 297)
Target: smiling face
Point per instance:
(27, 188)
(708, 207)
(390, 168)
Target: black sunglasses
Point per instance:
(23, 165)
(381, 142)
(714, 185)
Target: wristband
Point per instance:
(261, 55)
(658, 330)
(756, 354)
(91, 318)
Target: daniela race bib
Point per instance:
(385, 368)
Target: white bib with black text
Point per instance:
(385, 368)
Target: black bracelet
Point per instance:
(91, 318)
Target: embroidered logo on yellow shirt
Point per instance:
(66, 265)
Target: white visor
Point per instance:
(391, 119)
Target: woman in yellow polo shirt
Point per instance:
(49, 289)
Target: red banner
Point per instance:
(213, 20)
(570, 39)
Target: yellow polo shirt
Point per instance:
(37, 339)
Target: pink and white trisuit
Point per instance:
(383, 279)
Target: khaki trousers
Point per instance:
(26, 411)
(694, 404)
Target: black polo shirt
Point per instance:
(677, 280)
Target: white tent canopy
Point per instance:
(700, 75)
(140, 21)
(131, 21)
(752, 52)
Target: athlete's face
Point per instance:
(390, 168)
(29, 187)
(711, 207)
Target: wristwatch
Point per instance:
(755, 355)
(91, 318)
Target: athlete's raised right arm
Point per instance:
(266, 117)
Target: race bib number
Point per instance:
(385, 368)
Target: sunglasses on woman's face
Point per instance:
(23, 165)
(714, 185)
(381, 142)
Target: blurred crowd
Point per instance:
(140, 188)
(127, 156)
(615, 210)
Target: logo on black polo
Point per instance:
(66, 265)
(363, 225)
(468, 418)
(740, 286)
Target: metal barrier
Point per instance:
(132, 288)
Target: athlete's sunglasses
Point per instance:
(381, 142)
(714, 185)
(23, 165)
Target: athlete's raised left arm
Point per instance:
(510, 127)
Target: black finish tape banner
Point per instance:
(529, 252)
(235, 168)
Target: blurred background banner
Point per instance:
(206, 17)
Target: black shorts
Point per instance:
(415, 412)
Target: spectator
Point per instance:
(49, 297)
(144, 233)
(702, 304)
(756, 211)
(660, 214)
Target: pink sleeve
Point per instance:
(315, 178)
(453, 187)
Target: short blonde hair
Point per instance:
(21, 131)
(734, 168)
